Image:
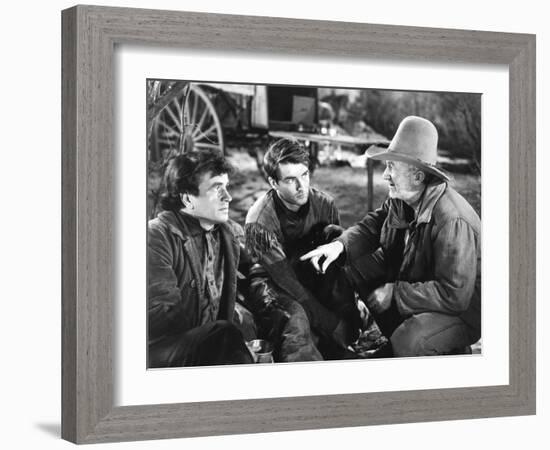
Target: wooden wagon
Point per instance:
(186, 115)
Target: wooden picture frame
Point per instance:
(90, 34)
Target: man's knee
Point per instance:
(196, 346)
(244, 320)
(298, 321)
(429, 334)
(366, 273)
(297, 342)
(407, 339)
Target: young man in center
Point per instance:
(288, 220)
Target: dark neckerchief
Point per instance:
(408, 217)
(292, 222)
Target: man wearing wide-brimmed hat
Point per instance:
(415, 261)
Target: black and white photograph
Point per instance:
(304, 223)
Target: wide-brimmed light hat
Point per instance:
(415, 143)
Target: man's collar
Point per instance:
(279, 204)
(432, 193)
(192, 223)
(183, 225)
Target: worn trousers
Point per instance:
(214, 343)
(427, 333)
(430, 333)
(281, 320)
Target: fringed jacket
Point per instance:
(277, 245)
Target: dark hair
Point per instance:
(284, 151)
(430, 178)
(183, 174)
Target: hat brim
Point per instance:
(387, 155)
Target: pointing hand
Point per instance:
(330, 252)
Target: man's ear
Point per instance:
(186, 200)
(419, 177)
(272, 182)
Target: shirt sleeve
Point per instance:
(334, 215)
(364, 237)
(164, 306)
(455, 260)
(265, 248)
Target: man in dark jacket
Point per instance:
(193, 254)
(287, 221)
(416, 261)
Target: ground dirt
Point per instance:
(347, 185)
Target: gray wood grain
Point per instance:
(68, 225)
(89, 36)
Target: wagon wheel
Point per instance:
(189, 122)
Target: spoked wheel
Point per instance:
(189, 122)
